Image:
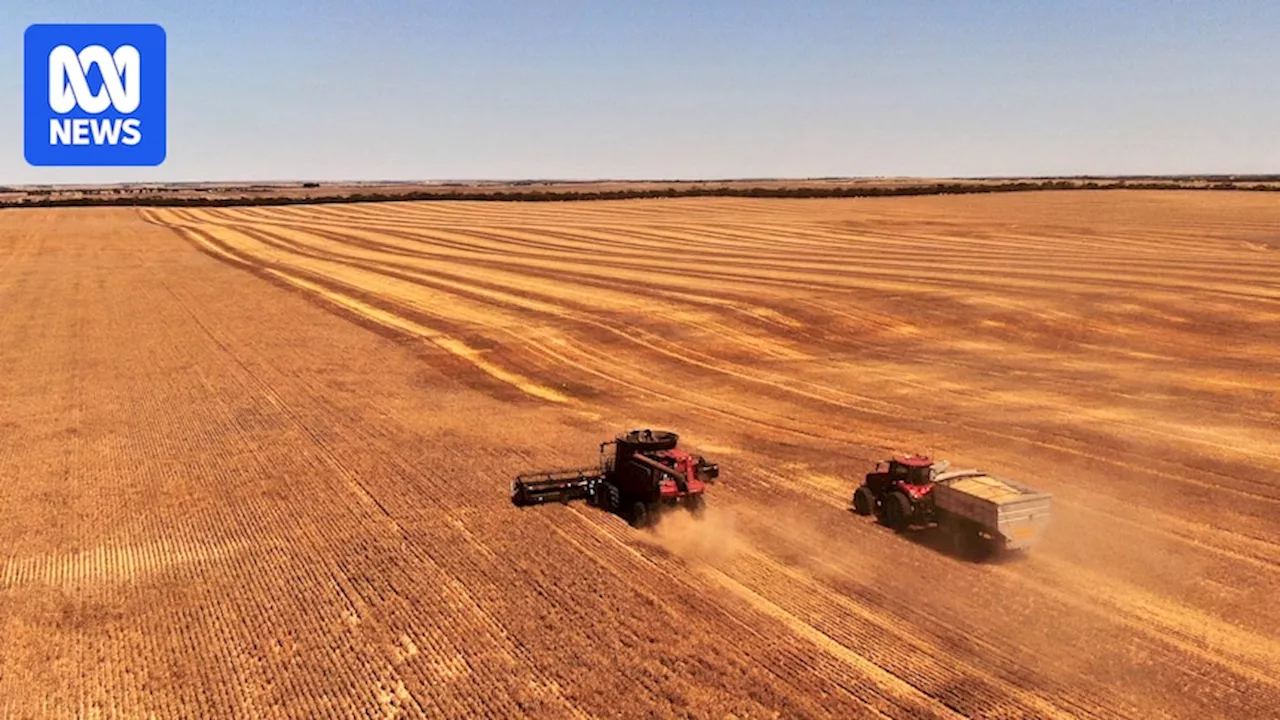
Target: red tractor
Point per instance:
(644, 474)
(897, 492)
(975, 511)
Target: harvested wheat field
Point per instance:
(254, 462)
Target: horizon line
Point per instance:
(549, 180)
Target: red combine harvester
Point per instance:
(645, 474)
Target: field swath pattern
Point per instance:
(296, 426)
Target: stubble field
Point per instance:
(255, 461)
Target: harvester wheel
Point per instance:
(640, 516)
(864, 501)
(696, 504)
(897, 510)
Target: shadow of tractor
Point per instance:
(966, 547)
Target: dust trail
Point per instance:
(712, 539)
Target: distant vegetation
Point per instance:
(455, 191)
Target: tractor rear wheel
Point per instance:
(864, 501)
(897, 510)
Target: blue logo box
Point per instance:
(94, 95)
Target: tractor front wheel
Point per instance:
(897, 510)
(864, 501)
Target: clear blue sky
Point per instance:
(424, 89)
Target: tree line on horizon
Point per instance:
(953, 188)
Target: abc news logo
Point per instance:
(95, 95)
(69, 89)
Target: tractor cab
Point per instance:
(911, 470)
(908, 477)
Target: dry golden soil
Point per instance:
(254, 462)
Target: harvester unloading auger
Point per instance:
(644, 475)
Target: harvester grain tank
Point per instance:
(976, 511)
(643, 475)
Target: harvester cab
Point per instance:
(641, 473)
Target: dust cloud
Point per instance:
(712, 538)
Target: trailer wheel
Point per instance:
(864, 501)
(640, 515)
(953, 533)
(982, 548)
(897, 510)
(966, 541)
